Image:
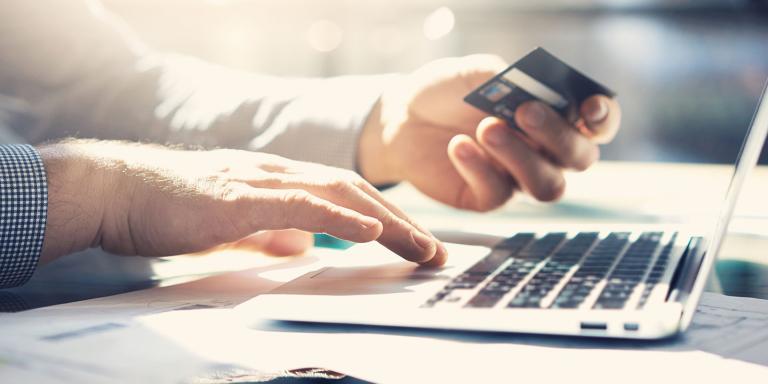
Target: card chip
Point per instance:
(495, 91)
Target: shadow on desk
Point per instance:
(678, 343)
(80, 276)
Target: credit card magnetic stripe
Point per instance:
(539, 75)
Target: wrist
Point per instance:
(76, 191)
(374, 162)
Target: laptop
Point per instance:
(618, 284)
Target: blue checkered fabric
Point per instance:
(23, 212)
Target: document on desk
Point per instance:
(733, 327)
(729, 337)
(172, 333)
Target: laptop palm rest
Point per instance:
(380, 279)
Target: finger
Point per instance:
(441, 254)
(287, 242)
(298, 209)
(485, 187)
(559, 139)
(398, 234)
(535, 174)
(602, 116)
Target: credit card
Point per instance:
(539, 75)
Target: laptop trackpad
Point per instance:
(397, 271)
(380, 279)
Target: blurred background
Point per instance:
(688, 72)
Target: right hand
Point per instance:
(153, 201)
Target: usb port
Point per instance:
(587, 326)
(631, 327)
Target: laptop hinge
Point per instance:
(687, 271)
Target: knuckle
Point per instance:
(332, 213)
(296, 203)
(339, 186)
(571, 150)
(489, 128)
(297, 198)
(225, 189)
(550, 190)
(565, 142)
(352, 179)
(365, 186)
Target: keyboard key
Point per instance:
(484, 300)
(594, 268)
(490, 263)
(629, 271)
(657, 272)
(515, 243)
(553, 271)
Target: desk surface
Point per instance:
(613, 192)
(610, 192)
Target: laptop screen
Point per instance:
(750, 151)
(746, 161)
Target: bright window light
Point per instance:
(439, 23)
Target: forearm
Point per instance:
(77, 187)
(86, 75)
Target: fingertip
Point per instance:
(455, 141)
(550, 192)
(493, 132)
(439, 259)
(425, 247)
(601, 115)
(595, 109)
(461, 148)
(489, 122)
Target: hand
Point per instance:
(423, 132)
(286, 242)
(152, 201)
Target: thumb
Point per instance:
(286, 242)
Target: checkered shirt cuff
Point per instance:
(23, 212)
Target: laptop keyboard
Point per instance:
(555, 271)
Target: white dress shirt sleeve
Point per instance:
(77, 71)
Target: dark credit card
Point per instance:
(539, 75)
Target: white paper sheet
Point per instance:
(421, 356)
(167, 334)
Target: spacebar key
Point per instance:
(491, 262)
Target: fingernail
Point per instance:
(498, 137)
(598, 113)
(464, 152)
(534, 115)
(421, 240)
(442, 248)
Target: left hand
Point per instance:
(423, 132)
(286, 242)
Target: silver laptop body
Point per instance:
(624, 284)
